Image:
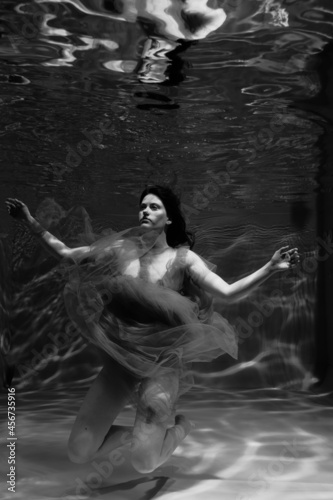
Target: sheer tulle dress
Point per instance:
(151, 329)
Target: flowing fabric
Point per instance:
(151, 329)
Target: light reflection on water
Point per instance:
(83, 65)
(246, 444)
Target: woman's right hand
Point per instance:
(18, 209)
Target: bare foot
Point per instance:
(183, 426)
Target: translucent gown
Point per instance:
(151, 329)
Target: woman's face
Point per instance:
(152, 212)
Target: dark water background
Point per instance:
(242, 131)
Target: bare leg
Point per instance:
(92, 435)
(153, 442)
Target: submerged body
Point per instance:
(146, 300)
(143, 307)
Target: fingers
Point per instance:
(290, 255)
(13, 201)
(13, 206)
(10, 205)
(293, 252)
(294, 257)
(287, 250)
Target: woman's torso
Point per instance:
(165, 268)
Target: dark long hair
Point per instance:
(176, 233)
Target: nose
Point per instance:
(145, 213)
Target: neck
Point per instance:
(161, 242)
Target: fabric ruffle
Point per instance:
(151, 329)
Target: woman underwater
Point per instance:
(145, 299)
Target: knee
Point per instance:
(142, 464)
(144, 455)
(80, 449)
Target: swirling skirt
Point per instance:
(147, 328)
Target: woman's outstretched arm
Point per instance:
(282, 260)
(57, 248)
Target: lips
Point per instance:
(145, 219)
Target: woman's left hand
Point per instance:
(285, 258)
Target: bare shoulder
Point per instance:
(195, 267)
(193, 260)
(192, 257)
